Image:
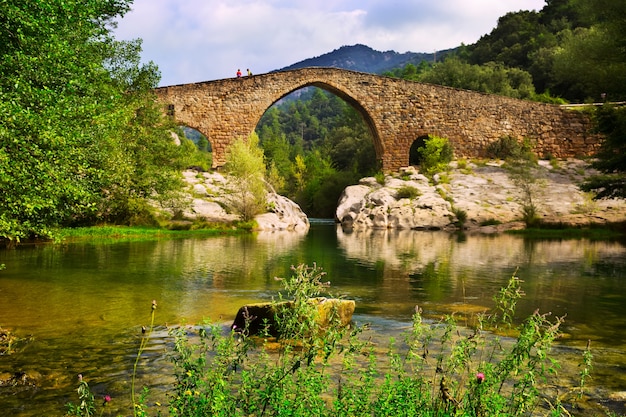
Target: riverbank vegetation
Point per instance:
(103, 234)
(82, 140)
(492, 367)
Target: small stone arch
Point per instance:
(414, 156)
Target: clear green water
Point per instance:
(84, 304)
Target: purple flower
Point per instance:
(480, 377)
(107, 398)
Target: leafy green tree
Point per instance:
(592, 60)
(611, 121)
(81, 139)
(245, 163)
(435, 155)
(489, 78)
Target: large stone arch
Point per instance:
(397, 111)
(336, 90)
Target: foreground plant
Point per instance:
(87, 403)
(320, 368)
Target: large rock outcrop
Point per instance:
(484, 192)
(385, 206)
(208, 200)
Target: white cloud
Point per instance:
(197, 40)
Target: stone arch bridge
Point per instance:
(397, 111)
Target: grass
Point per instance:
(104, 234)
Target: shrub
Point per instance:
(490, 222)
(244, 162)
(435, 155)
(380, 178)
(461, 216)
(407, 191)
(508, 147)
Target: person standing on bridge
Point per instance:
(249, 72)
(238, 73)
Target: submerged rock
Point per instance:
(258, 316)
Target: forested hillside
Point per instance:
(365, 59)
(571, 49)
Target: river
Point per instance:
(84, 304)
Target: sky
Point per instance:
(202, 40)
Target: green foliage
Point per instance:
(81, 140)
(611, 159)
(244, 162)
(192, 156)
(461, 216)
(315, 146)
(410, 71)
(86, 407)
(573, 49)
(488, 78)
(509, 148)
(526, 174)
(322, 185)
(435, 155)
(490, 222)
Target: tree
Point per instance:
(490, 78)
(610, 121)
(81, 138)
(592, 61)
(435, 155)
(244, 162)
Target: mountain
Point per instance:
(365, 59)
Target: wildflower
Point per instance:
(154, 304)
(106, 399)
(480, 377)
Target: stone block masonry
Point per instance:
(398, 112)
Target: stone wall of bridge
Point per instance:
(397, 111)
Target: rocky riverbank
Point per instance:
(208, 199)
(485, 193)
